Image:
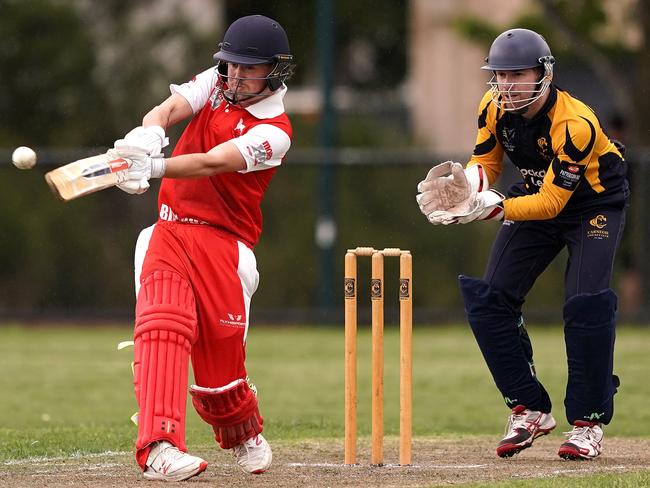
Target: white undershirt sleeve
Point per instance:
(262, 147)
(197, 91)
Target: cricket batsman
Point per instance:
(195, 268)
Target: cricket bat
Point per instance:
(86, 176)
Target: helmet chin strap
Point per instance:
(245, 99)
(241, 99)
(520, 111)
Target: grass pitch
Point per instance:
(67, 391)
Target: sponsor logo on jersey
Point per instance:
(533, 173)
(567, 174)
(260, 152)
(544, 150)
(166, 213)
(508, 141)
(267, 149)
(534, 176)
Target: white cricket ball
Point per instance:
(24, 157)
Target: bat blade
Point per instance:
(86, 176)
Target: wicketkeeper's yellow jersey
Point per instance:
(567, 162)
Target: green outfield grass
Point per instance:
(627, 480)
(67, 390)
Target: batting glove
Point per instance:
(150, 140)
(142, 168)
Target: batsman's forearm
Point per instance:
(188, 166)
(159, 116)
(172, 110)
(201, 164)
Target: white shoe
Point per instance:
(584, 441)
(253, 456)
(523, 427)
(167, 463)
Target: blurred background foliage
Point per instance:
(79, 74)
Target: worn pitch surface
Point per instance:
(319, 464)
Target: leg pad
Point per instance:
(231, 410)
(590, 332)
(165, 329)
(494, 318)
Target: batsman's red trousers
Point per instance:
(222, 275)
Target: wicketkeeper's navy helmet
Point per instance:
(517, 49)
(256, 39)
(514, 50)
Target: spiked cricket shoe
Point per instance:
(523, 427)
(583, 442)
(167, 463)
(253, 456)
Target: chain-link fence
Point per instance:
(69, 260)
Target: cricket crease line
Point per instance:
(77, 455)
(416, 466)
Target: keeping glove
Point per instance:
(150, 139)
(444, 187)
(485, 205)
(448, 185)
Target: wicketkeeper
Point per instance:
(195, 268)
(573, 195)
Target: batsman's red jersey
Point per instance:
(229, 202)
